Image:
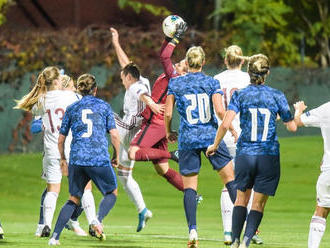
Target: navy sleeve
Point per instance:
(216, 87)
(110, 120)
(284, 109)
(36, 126)
(66, 123)
(234, 102)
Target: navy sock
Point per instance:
(41, 214)
(106, 205)
(190, 207)
(252, 224)
(76, 213)
(238, 219)
(232, 190)
(64, 216)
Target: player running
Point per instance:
(196, 96)
(150, 143)
(47, 100)
(89, 120)
(318, 117)
(231, 80)
(257, 162)
(137, 96)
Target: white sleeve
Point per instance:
(138, 89)
(313, 118)
(145, 81)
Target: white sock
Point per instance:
(49, 207)
(88, 204)
(132, 189)
(226, 210)
(316, 231)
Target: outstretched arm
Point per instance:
(222, 130)
(121, 55)
(156, 108)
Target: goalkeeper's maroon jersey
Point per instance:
(159, 89)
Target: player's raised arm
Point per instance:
(168, 47)
(121, 55)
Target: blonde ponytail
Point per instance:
(44, 82)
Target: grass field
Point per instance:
(285, 224)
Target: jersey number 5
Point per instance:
(254, 126)
(88, 122)
(204, 111)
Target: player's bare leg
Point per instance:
(317, 226)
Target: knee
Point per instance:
(115, 192)
(161, 171)
(75, 200)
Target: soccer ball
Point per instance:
(169, 25)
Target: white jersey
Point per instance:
(230, 81)
(51, 108)
(320, 117)
(133, 106)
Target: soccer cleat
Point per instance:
(1, 232)
(53, 241)
(175, 156)
(199, 199)
(45, 231)
(235, 244)
(40, 227)
(257, 240)
(91, 231)
(97, 227)
(193, 239)
(227, 238)
(144, 216)
(74, 226)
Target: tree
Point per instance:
(260, 26)
(139, 5)
(312, 19)
(3, 5)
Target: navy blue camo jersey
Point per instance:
(89, 120)
(193, 95)
(258, 106)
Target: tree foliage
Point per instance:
(279, 28)
(139, 5)
(3, 5)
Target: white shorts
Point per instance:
(126, 137)
(323, 189)
(51, 170)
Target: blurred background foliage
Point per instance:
(74, 34)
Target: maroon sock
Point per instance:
(174, 178)
(150, 154)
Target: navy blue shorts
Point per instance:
(190, 160)
(104, 178)
(260, 172)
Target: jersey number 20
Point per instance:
(254, 120)
(201, 101)
(88, 122)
